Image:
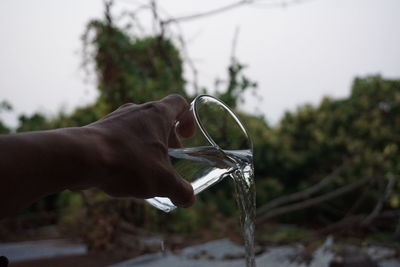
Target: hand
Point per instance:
(134, 142)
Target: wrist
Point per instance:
(90, 155)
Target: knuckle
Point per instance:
(156, 107)
(126, 105)
(180, 99)
(177, 96)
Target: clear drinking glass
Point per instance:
(220, 144)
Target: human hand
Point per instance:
(133, 144)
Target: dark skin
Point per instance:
(125, 154)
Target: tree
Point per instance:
(4, 107)
(130, 68)
(360, 131)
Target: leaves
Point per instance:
(305, 146)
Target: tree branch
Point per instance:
(378, 207)
(356, 221)
(263, 216)
(234, 44)
(306, 193)
(230, 7)
(209, 13)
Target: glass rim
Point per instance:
(197, 118)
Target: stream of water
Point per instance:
(207, 166)
(243, 178)
(238, 164)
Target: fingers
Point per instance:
(186, 124)
(178, 190)
(183, 194)
(176, 104)
(179, 111)
(173, 140)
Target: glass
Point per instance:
(219, 146)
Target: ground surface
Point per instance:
(218, 253)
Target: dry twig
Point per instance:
(262, 217)
(378, 207)
(304, 194)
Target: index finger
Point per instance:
(176, 104)
(179, 110)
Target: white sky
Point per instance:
(297, 54)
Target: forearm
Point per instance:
(124, 154)
(36, 164)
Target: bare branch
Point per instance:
(233, 6)
(190, 63)
(378, 207)
(277, 4)
(234, 43)
(356, 221)
(263, 216)
(306, 193)
(158, 24)
(87, 197)
(209, 13)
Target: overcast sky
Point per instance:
(297, 54)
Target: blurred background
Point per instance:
(317, 83)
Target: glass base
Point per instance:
(162, 203)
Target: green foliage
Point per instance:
(79, 117)
(362, 129)
(268, 188)
(69, 206)
(35, 122)
(3, 128)
(382, 238)
(4, 107)
(284, 235)
(129, 68)
(305, 146)
(237, 84)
